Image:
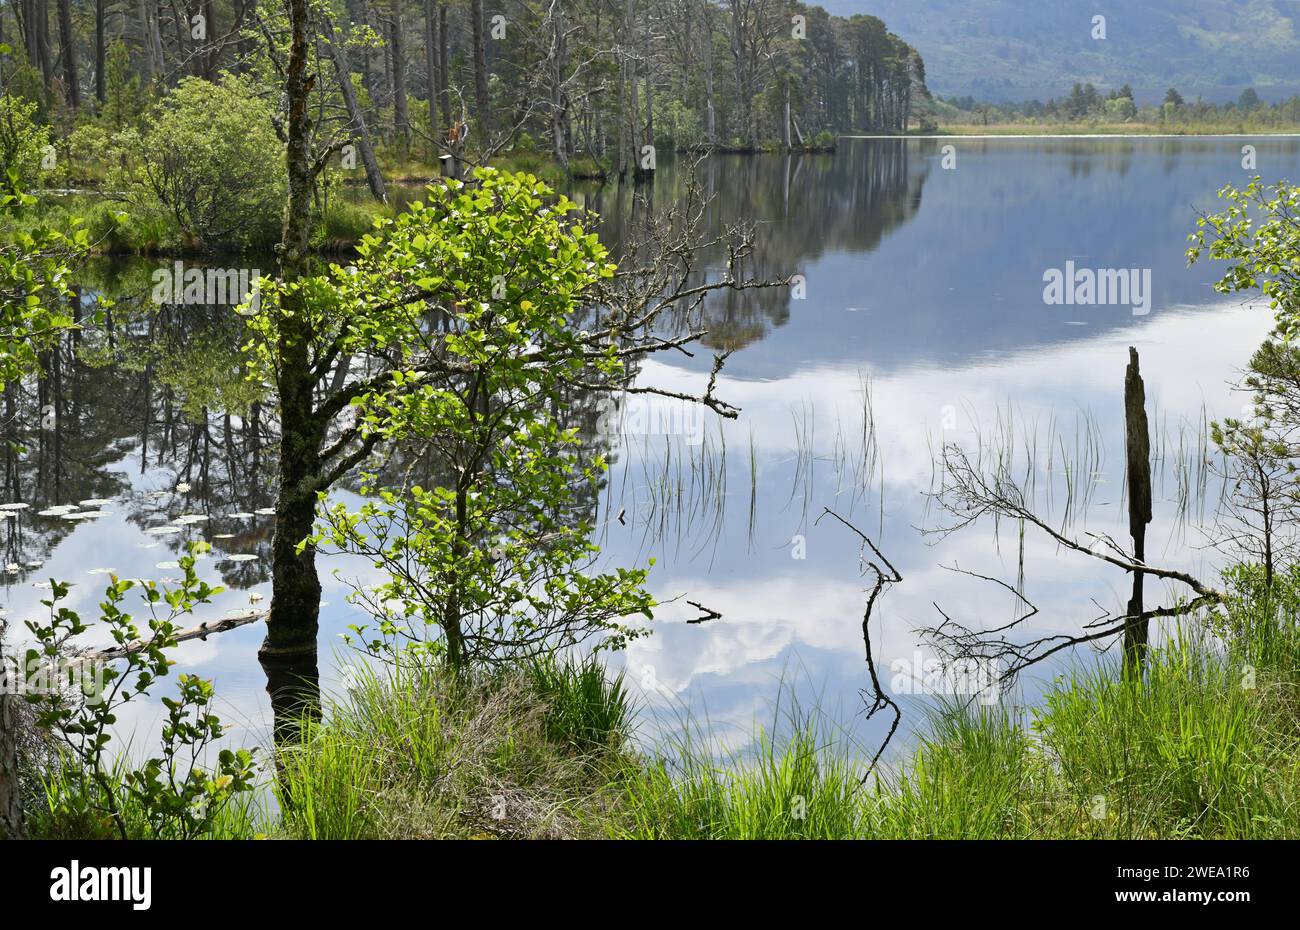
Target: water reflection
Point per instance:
(921, 321)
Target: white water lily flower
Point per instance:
(183, 487)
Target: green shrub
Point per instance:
(209, 160)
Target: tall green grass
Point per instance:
(802, 786)
(1206, 746)
(419, 752)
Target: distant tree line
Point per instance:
(1085, 103)
(586, 80)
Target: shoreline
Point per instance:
(1088, 135)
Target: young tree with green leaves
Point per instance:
(35, 272)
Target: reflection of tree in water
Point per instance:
(59, 445)
(158, 392)
(800, 206)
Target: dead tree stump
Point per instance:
(1137, 443)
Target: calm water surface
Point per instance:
(922, 322)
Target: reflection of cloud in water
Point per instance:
(778, 609)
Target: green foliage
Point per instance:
(34, 287)
(681, 125)
(23, 144)
(83, 152)
(172, 796)
(208, 160)
(1259, 236)
(125, 99)
(496, 557)
(25, 83)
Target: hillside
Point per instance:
(1022, 49)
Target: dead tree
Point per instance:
(1137, 444)
(356, 119)
(968, 495)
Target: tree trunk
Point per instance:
(710, 114)
(401, 117)
(559, 99)
(68, 52)
(101, 54)
(1138, 451)
(444, 67)
(481, 101)
(343, 71)
(785, 126)
(431, 66)
(11, 795)
(211, 52)
(295, 590)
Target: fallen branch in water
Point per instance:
(879, 700)
(202, 631)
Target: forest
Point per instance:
(589, 84)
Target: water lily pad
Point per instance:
(162, 530)
(168, 565)
(187, 518)
(241, 557)
(96, 501)
(15, 506)
(241, 515)
(265, 510)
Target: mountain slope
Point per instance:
(1022, 49)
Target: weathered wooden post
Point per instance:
(1138, 452)
(11, 796)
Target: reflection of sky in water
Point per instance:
(940, 310)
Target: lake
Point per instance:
(918, 319)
